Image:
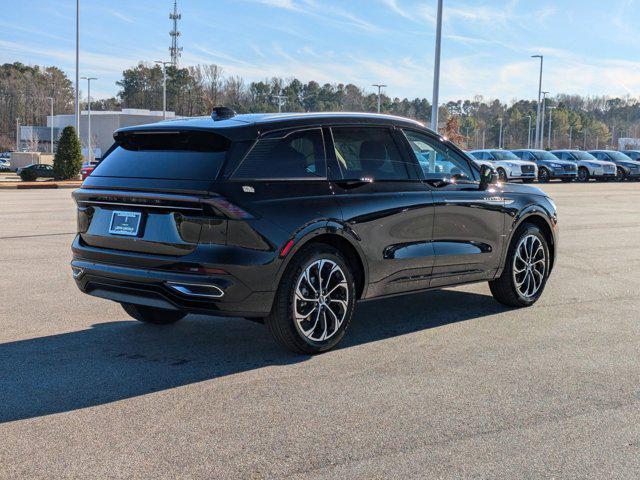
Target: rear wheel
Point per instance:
(583, 174)
(158, 316)
(526, 271)
(314, 302)
(621, 175)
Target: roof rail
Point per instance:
(222, 113)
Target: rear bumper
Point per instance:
(223, 294)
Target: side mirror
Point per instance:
(488, 176)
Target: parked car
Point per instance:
(87, 168)
(5, 165)
(508, 166)
(588, 165)
(627, 169)
(550, 167)
(35, 171)
(632, 154)
(292, 219)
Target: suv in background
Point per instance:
(588, 165)
(508, 166)
(550, 167)
(632, 154)
(291, 219)
(627, 169)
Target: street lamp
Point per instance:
(17, 134)
(544, 103)
(164, 87)
(550, 124)
(51, 100)
(541, 57)
(436, 69)
(78, 68)
(529, 132)
(88, 79)
(570, 136)
(380, 87)
(500, 137)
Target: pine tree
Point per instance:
(68, 160)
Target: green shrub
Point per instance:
(28, 175)
(68, 160)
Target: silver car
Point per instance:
(588, 166)
(507, 165)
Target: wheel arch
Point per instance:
(339, 237)
(542, 219)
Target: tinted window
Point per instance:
(437, 160)
(170, 155)
(503, 155)
(369, 152)
(285, 155)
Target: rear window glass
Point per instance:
(170, 155)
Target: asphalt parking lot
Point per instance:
(445, 384)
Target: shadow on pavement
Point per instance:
(118, 360)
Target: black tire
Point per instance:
(502, 175)
(583, 175)
(504, 288)
(528, 180)
(543, 175)
(157, 316)
(281, 321)
(621, 175)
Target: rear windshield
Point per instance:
(166, 155)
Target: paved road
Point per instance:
(445, 384)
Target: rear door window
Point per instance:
(185, 155)
(284, 155)
(369, 152)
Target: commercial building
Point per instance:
(103, 124)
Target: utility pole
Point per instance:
(78, 68)
(380, 87)
(483, 138)
(51, 100)
(280, 99)
(585, 139)
(500, 137)
(88, 79)
(538, 142)
(164, 86)
(17, 134)
(436, 69)
(550, 124)
(544, 103)
(529, 132)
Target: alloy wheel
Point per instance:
(583, 175)
(529, 266)
(320, 300)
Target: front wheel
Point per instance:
(157, 316)
(621, 175)
(314, 302)
(583, 175)
(502, 175)
(526, 270)
(544, 176)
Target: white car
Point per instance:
(588, 166)
(508, 166)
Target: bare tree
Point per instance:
(212, 83)
(33, 144)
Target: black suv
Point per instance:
(290, 219)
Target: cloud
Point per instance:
(120, 16)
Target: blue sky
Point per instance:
(590, 47)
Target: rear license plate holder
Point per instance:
(125, 223)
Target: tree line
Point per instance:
(582, 122)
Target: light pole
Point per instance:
(500, 137)
(78, 68)
(164, 87)
(538, 142)
(529, 132)
(17, 134)
(570, 136)
(88, 79)
(550, 124)
(436, 70)
(544, 103)
(483, 138)
(51, 100)
(380, 87)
